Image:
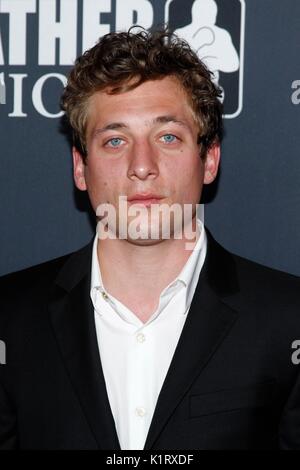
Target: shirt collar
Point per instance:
(191, 270)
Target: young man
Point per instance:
(138, 342)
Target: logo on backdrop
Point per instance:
(216, 32)
(40, 39)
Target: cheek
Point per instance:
(103, 181)
(190, 180)
(190, 172)
(98, 175)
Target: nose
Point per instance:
(143, 162)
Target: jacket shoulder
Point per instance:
(35, 275)
(270, 297)
(30, 287)
(252, 287)
(228, 269)
(253, 275)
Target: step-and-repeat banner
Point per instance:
(251, 46)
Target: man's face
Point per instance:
(143, 141)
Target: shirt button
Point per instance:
(140, 337)
(140, 411)
(104, 295)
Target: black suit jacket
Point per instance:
(231, 384)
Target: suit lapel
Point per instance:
(72, 318)
(209, 321)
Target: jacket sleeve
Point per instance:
(8, 422)
(289, 426)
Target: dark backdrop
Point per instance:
(253, 209)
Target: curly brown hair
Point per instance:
(121, 61)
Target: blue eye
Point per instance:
(169, 138)
(115, 142)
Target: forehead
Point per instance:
(145, 102)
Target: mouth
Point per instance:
(144, 199)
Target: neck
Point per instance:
(136, 274)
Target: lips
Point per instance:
(145, 199)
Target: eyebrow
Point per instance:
(110, 127)
(158, 120)
(169, 118)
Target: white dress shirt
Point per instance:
(136, 356)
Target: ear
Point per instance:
(78, 170)
(211, 163)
